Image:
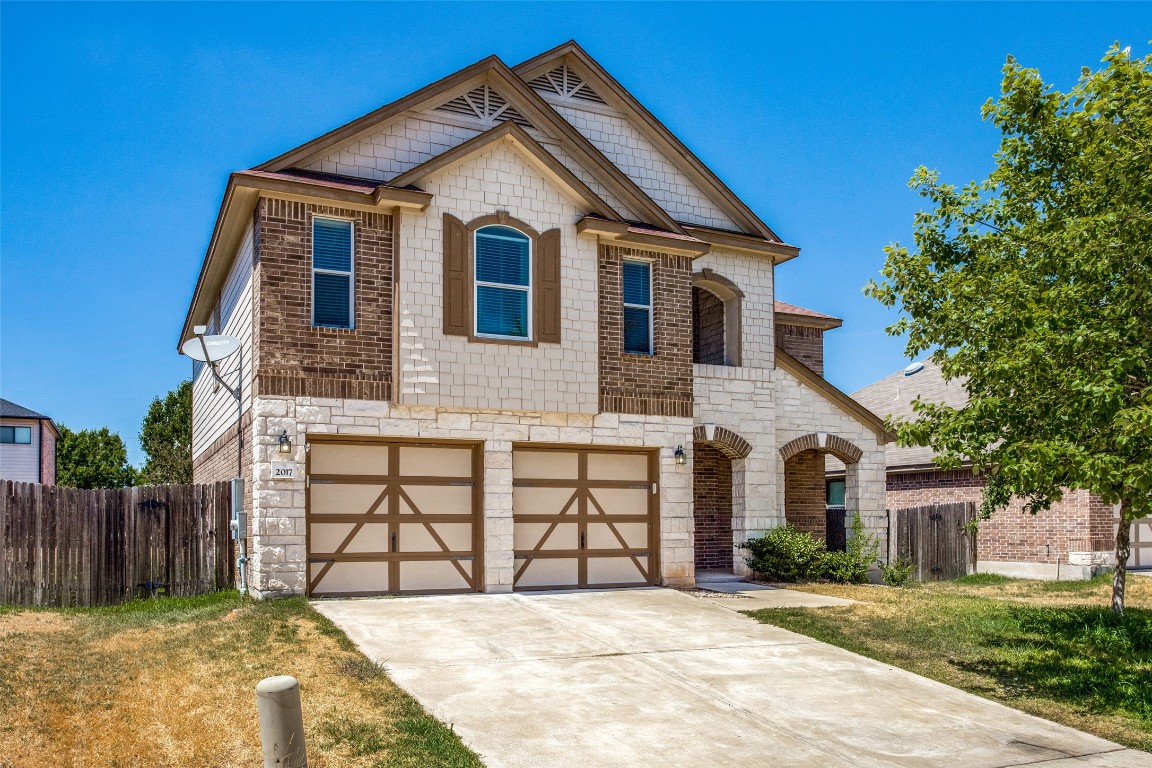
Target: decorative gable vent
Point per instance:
(565, 82)
(484, 104)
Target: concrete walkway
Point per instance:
(654, 677)
(763, 596)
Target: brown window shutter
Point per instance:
(457, 293)
(548, 287)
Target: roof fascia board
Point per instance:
(787, 318)
(539, 157)
(741, 243)
(834, 395)
(383, 195)
(618, 233)
(618, 96)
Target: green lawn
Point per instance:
(1049, 648)
(171, 682)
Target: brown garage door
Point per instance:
(584, 518)
(393, 517)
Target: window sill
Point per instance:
(497, 340)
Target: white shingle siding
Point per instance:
(593, 184)
(214, 412)
(652, 171)
(439, 370)
(402, 144)
(21, 462)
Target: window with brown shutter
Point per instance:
(457, 278)
(548, 287)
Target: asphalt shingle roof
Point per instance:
(14, 411)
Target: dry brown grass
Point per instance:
(174, 686)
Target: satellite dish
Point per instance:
(913, 368)
(218, 348)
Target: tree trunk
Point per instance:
(1123, 549)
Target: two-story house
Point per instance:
(27, 445)
(513, 335)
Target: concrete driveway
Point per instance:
(655, 677)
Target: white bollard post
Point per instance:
(281, 724)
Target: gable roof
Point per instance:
(529, 148)
(832, 394)
(609, 90)
(527, 103)
(892, 396)
(14, 411)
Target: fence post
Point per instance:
(281, 723)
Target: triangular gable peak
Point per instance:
(714, 206)
(468, 102)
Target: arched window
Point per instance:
(715, 319)
(503, 284)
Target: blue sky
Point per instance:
(119, 125)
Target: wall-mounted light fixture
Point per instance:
(285, 442)
(681, 457)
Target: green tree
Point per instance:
(166, 437)
(92, 458)
(1034, 287)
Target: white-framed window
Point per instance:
(637, 307)
(16, 435)
(333, 286)
(503, 284)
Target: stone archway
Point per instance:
(804, 483)
(716, 334)
(717, 462)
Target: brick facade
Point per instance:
(218, 463)
(708, 328)
(1080, 522)
(712, 507)
(804, 343)
(47, 455)
(659, 384)
(804, 494)
(292, 356)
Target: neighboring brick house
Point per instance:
(512, 334)
(27, 445)
(1072, 540)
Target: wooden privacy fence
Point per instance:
(74, 547)
(934, 537)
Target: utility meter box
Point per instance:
(239, 519)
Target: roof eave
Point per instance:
(619, 233)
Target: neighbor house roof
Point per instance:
(892, 397)
(14, 411)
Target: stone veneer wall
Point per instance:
(659, 384)
(279, 558)
(1078, 523)
(712, 507)
(804, 343)
(804, 493)
(293, 357)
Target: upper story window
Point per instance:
(503, 286)
(332, 276)
(16, 435)
(638, 307)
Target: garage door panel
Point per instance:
(529, 536)
(543, 501)
(350, 459)
(549, 572)
(616, 570)
(436, 499)
(545, 465)
(418, 538)
(620, 501)
(325, 538)
(601, 536)
(418, 461)
(341, 578)
(434, 575)
(618, 466)
(337, 499)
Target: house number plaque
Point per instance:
(283, 470)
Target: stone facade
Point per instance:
(294, 357)
(278, 557)
(1079, 529)
(659, 384)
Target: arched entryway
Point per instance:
(805, 488)
(717, 454)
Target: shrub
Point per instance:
(897, 573)
(843, 568)
(786, 554)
